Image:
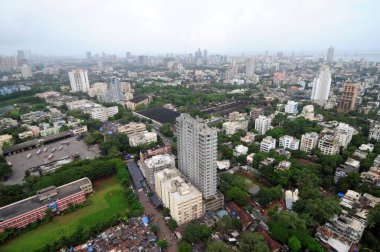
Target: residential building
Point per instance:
(372, 176)
(248, 138)
(26, 71)
(309, 141)
(155, 164)
(330, 55)
(351, 165)
(374, 132)
(290, 198)
(256, 112)
(232, 127)
(250, 69)
(291, 107)
(141, 138)
(182, 198)
(289, 142)
(347, 100)
(263, 124)
(321, 86)
(26, 134)
(197, 155)
(131, 128)
(6, 123)
(240, 150)
(79, 81)
(79, 130)
(97, 89)
(344, 133)
(138, 100)
(146, 154)
(267, 144)
(103, 113)
(308, 112)
(29, 210)
(329, 145)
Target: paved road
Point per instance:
(157, 218)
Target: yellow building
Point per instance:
(181, 197)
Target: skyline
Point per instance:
(70, 28)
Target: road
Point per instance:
(156, 217)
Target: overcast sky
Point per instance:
(71, 27)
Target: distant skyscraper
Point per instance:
(79, 80)
(347, 100)
(7, 63)
(128, 55)
(330, 55)
(250, 69)
(116, 89)
(205, 54)
(321, 86)
(88, 55)
(197, 153)
(26, 71)
(21, 59)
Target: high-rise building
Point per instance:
(128, 55)
(347, 100)
(197, 155)
(116, 89)
(26, 71)
(309, 141)
(250, 69)
(155, 164)
(7, 63)
(21, 58)
(321, 86)
(79, 80)
(262, 124)
(330, 55)
(256, 112)
(88, 55)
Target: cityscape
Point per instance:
(199, 139)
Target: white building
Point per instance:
(321, 86)
(232, 127)
(141, 138)
(130, 128)
(344, 133)
(103, 113)
(79, 81)
(291, 107)
(289, 142)
(26, 71)
(309, 141)
(240, 150)
(374, 132)
(155, 164)
(267, 144)
(263, 124)
(308, 112)
(182, 198)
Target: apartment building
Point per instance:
(374, 132)
(232, 127)
(155, 164)
(141, 138)
(291, 107)
(289, 142)
(267, 144)
(181, 197)
(329, 145)
(309, 141)
(263, 124)
(347, 100)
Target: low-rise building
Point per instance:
(374, 132)
(26, 134)
(267, 144)
(372, 176)
(351, 165)
(284, 165)
(309, 141)
(367, 147)
(248, 138)
(138, 100)
(141, 138)
(240, 150)
(232, 127)
(223, 164)
(6, 123)
(5, 139)
(131, 128)
(79, 130)
(160, 150)
(289, 142)
(32, 209)
(181, 197)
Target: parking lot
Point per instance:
(21, 162)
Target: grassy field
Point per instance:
(107, 200)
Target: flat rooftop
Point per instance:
(161, 115)
(31, 203)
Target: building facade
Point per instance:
(289, 142)
(155, 164)
(329, 145)
(79, 80)
(262, 124)
(321, 86)
(267, 144)
(309, 141)
(347, 100)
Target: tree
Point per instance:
(89, 140)
(166, 130)
(163, 244)
(5, 170)
(294, 244)
(195, 233)
(184, 247)
(154, 228)
(172, 224)
(217, 246)
(253, 242)
(267, 195)
(166, 211)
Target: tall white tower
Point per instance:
(321, 86)
(197, 153)
(79, 81)
(250, 69)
